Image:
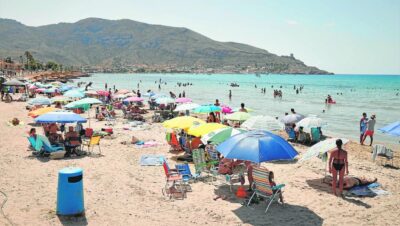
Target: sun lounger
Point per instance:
(261, 187)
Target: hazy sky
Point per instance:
(342, 36)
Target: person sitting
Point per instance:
(72, 140)
(55, 138)
(212, 118)
(302, 137)
(58, 105)
(32, 133)
(272, 184)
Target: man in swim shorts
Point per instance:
(370, 130)
(363, 126)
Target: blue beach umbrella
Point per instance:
(392, 129)
(50, 90)
(64, 88)
(40, 101)
(60, 117)
(207, 109)
(257, 146)
(74, 93)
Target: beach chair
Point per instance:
(173, 183)
(261, 187)
(200, 164)
(315, 135)
(35, 146)
(184, 170)
(53, 151)
(382, 151)
(93, 141)
(174, 143)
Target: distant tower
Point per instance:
(291, 55)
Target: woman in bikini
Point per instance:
(338, 165)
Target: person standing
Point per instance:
(370, 130)
(363, 126)
(338, 165)
(230, 94)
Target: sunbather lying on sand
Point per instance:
(352, 181)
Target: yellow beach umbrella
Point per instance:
(183, 122)
(203, 129)
(41, 111)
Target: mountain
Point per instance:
(107, 43)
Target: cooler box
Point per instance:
(70, 192)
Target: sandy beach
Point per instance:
(118, 191)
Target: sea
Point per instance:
(354, 94)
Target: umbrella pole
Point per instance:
(89, 116)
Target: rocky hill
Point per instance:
(107, 43)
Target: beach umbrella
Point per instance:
(60, 117)
(321, 148)
(41, 111)
(186, 107)
(263, 122)
(40, 90)
(183, 100)
(119, 96)
(64, 88)
(74, 93)
(31, 86)
(226, 109)
(123, 91)
(130, 94)
(247, 109)
(292, 118)
(311, 122)
(61, 99)
(220, 135)
(14, 82)
(50, 90)
(83, 103)
(392, 129)
(257, 146)
(133, 99)
(40, 101)
(238, 116)
(207, 109)
(183, 122)
(102, 92)
(200, 130)
(91, 92)
(165, 100)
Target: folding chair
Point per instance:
(173, 183)
(94, 141)
(261, 187)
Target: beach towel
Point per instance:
(371, 190)
(146, 144)
(152, 160)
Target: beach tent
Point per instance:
(257, 146)
(60, 117)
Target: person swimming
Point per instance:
(338, 165)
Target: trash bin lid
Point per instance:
(71, 171)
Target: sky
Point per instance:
(340, 36)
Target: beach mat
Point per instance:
(371, 190)
(152, 160)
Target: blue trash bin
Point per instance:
(70, 192)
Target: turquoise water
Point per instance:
(361, 93)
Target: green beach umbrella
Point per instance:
(238, 116)
(85, 102)
(74, 93)
(220, 135)
(207, 109)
